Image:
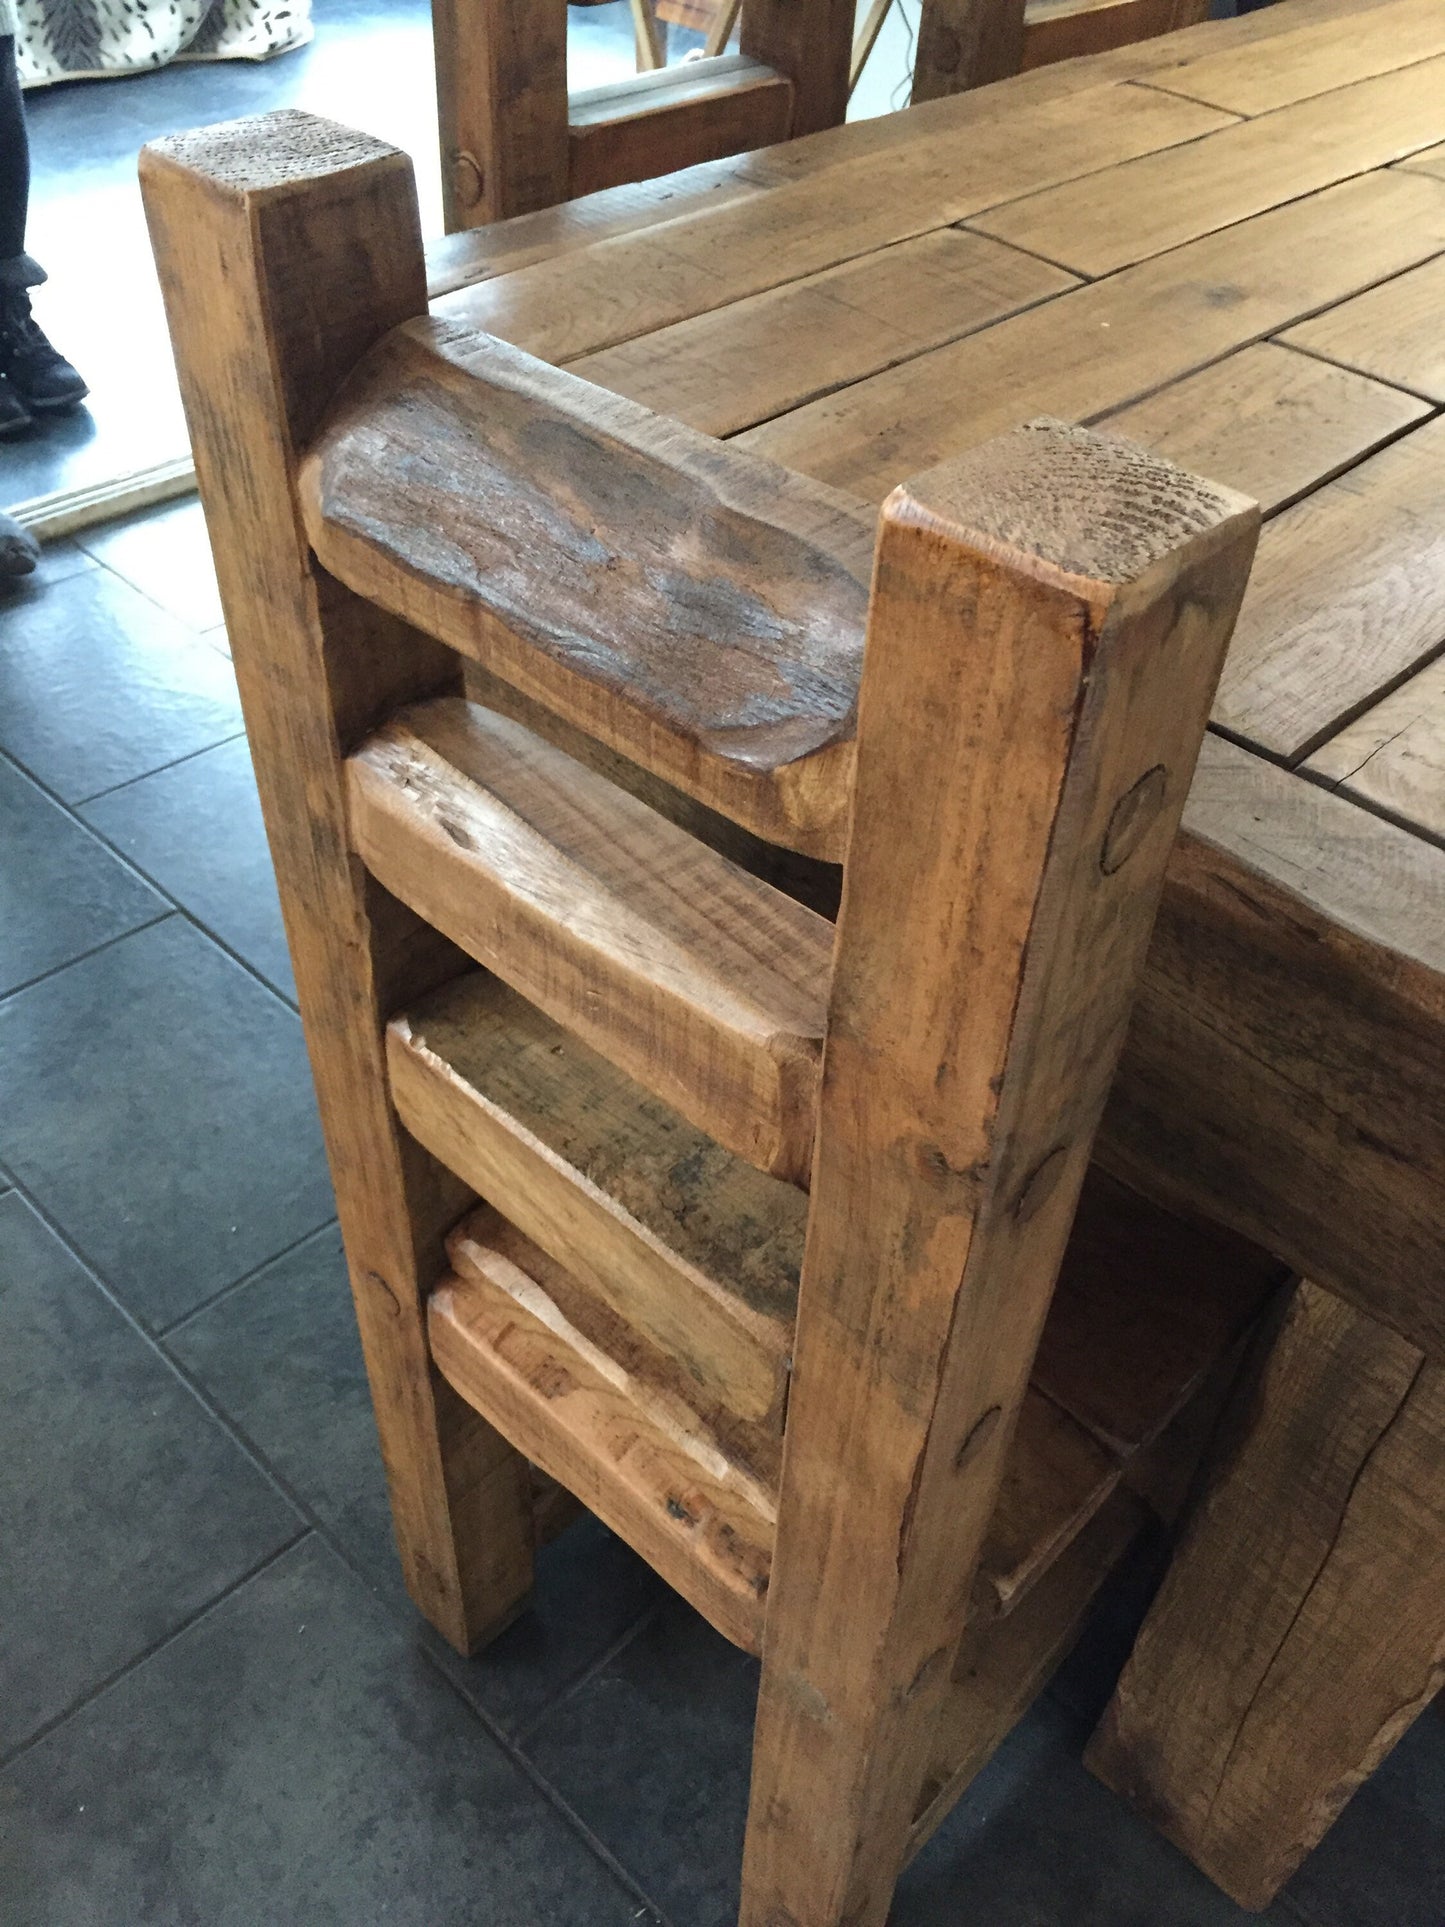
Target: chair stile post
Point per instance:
(1048, 621)
(286, 248)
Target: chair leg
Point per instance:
(286, 247)
(1301, 1628)
(1027, 733)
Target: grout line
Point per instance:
(72, 810)
(44, 976)
(158, 1645)
(176, 762)
(529, 1728)
(162, 1333)
(542, 1786)
(314, 1526)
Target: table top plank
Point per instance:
(1347, 595)
(1267, 421)
(723, 371)
(1393, 756)
(1432, 161)
(1252, 79)
(1395, 331)
(1090, 351)
(1157, 201)
(634, 284)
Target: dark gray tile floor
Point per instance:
(217, 1705)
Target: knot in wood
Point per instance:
(1132, 817)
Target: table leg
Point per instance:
(1301, 1628)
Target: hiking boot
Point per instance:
(15, 417)
(38, 373)
(19, 551)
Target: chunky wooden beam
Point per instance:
(501, 77)
(1049, 618)
(1317, 1556)
(697, 609)
(966, 43)
(655, 123)
(811, 42)
(286, 247)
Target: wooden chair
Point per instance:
(774, 1211)
(512, 140)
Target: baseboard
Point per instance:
(68, 510)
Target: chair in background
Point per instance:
(512, 140)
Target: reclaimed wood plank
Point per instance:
(1015, 822)
(629, 1454)
(1393, 331)
(703, 982)
(1272, 423)
(655, 123)
(1346, 597)
(1393, 756)
(1284, 1072)
(1088, 352)
(1432, 162)
(634, 284)
(1310, 58)
(1301, 1626)
(723, 371)
(695, 1249)
(1066, 30)
(964, 44)
(699, 612)
(1159, 201)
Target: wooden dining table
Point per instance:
(1228, 244)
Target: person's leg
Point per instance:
(36, 375)
(14, 204)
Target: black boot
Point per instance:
(15, 417)
(37, 373)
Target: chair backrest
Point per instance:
(512, 140)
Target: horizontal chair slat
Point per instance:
(697, 609)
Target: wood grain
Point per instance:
(1432, 162)
(1301, 1627)
(1067, 30)
(634, 284)
(1159, 201)
(1087, 353)
(1269, 422)
(1019, 782)
(1393, 756)
(698, 979)
(722, 372)
(501, 75)
(1347, 596)
(696, 1250)
(655, 123)
(966, 43)
(1307, 59)
(699, 611)
(286, 247)
(632, 1458)
(1285, 1064)
(809, 41)
(1392, 331)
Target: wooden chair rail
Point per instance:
(698, 609)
